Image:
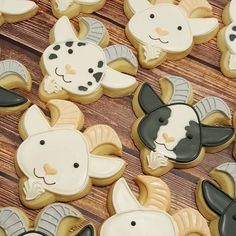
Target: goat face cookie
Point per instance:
(56, 219)
(218, 207)
(14, 10)
(56, 162)
(13, 75)
(134, 218)
(171, 133)
(226, 41)
(77, 68)
(72, 8)
(159, 37)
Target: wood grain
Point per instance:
(25, 42)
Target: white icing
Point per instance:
(174, 131)
(51, 86)
(232, 62)
(116, 80)
(232, 10)
(151, 52)
(165, 32)
(230, 44)
(16, 7)
(32, 189)
(156, 160)
(104, 167)
(88, 2)
(64, 4)
(137, 6)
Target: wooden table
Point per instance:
(25, 41)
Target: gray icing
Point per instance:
(12, 222)
(230, 169)
(96, 30)
(9, 67)
(51, 217)
(209, 105)
(181, 89)
(118, 51)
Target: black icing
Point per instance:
(52, 56)
(82, 88)
(180, 28)
(100, 64)
(223, 205)
(90, 70)
(81, 44)
(69, 44)
(87, 231)
(98, 76)
(10, 99)
(70, 51)
(57, 47)
(232, 37)
(90, 83)
(234, 28)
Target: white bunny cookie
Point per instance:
(163, 30)
(79, 66)
(14, 10)
(57, 162)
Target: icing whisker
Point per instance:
(62, 76)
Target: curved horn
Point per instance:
(67, 114)
(210, 105)
(154, 193)
(102, 134)
(12, 67)
(95, 30)
(12, 222)
(52, 216)
(191, 221)
(116, 52)
(189, 6)
(180, 87)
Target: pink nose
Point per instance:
(161, 32)
(49, 170)
(167, 138)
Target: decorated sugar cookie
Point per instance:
(218, 207)
(57, 162)
(226, 41)
(234, 123)
(72, 8)
(13, 75)
(16, 10)
(172, 133)
(165, 31)
(149, 215)
(81, 68)
(54, 220)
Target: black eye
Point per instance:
(70, 51)
(90, 70)
(161, 119)
(189, 136)
(42, 142)
(76, 165)
(152, 16)
(133, 223)
(180, 28)
(234, 217)
(234, 28)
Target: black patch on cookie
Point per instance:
(81, 44)
(69, 44)
(82, 88)
(52, 56)
(100, 64)
(232, 37)
(98, 76)
(57, 47)
(234, 28)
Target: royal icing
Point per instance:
(49, 221)
(69, 68)
(151, 27)
(47, 162)
(132, 218)
(175, 131)
(15, 7)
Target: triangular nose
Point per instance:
(49, 170)
(167, 138)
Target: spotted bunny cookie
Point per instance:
(150, 213)
(171, 133)
(72, 8)
(13, 75)
(57, 162)
(159, 37)
(14, 10)
(54, 220)
(226, 41)
(79, 68)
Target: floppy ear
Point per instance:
(138, 5)
(213, 136)
(215, 199)
(148, 99)
(203, 26)
(34, 121)
(88, 230)
(63, 30)
(105, 167)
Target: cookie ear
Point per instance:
(138, 5)
(148, 99)
(64, 31)
(88, 230)
(216, 200)
(203, 26)
(232, 10)
(213, 136)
